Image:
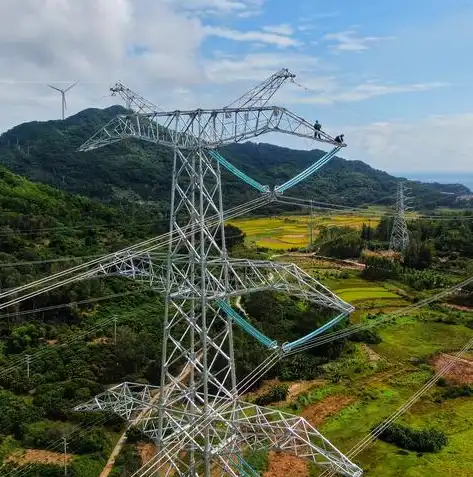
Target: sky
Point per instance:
(394, 76)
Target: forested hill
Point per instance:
(40, 223)
(132, 171)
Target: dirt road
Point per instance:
(121, 442)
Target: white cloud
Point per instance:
(250, 13)
(305, 27)
(283, 29)
(256, 66)
(60, 41)
(90, 40)
(437, 143)
(279, 40)
(328, 90)
(348, 41)
(242, 8)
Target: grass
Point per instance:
(285, 232)
(381, 387)
(7, 446)
(455, 419)
(365, 293)
(410, 338)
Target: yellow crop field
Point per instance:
(286, 232)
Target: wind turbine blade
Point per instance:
(65, 102)
(54, 87)
(70, 87)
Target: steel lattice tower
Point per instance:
(196, 418)
(400, 235)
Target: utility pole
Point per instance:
(64, 441)
(400, 235)
(28, 361)
(311, 224)
(115, 328)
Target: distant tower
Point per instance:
(63, 95)
(400, 235)
(311, 224)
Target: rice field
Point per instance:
(286, 232)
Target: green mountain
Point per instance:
(69, 334)
(42, 229)
(132, 171)
(74, 349)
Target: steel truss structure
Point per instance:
(399, 240)
(199, 424)
(233, 425)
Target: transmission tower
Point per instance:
(400, 235)
(200, 425)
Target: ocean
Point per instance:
(465, 178)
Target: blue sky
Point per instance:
(394, 76)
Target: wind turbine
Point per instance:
(63, 94)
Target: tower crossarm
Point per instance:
(131, 265)
(262, 93)
(133, 100)
(244, 277)
(125, 399)
(264, 428)
(235, 424)
(249, 276)
(207, 128)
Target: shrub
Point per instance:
(44, 434)
(275, 394)
(428, 440)
(366, 336)
(258, 460)
(458, 391)
(301, 366)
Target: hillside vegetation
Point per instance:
(133, 171)
(70, 334)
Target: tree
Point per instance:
(419, 255)
(378, 267)
(339, 242)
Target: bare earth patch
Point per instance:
(301, 387)
(285, 465)
(147, 452)
(272, 240)
(372, 355)
(458, 307)
(295, 388)
(318, 412)
(38, 456)
(101, 340)
(461, 371)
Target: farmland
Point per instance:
(371, 381)
(292, 231)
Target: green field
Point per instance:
(363, 294)
(286, 232)
(379, 388)
(408, 337)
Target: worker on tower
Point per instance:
(339, 139)
(317, 127)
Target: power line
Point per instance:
(67, 305)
